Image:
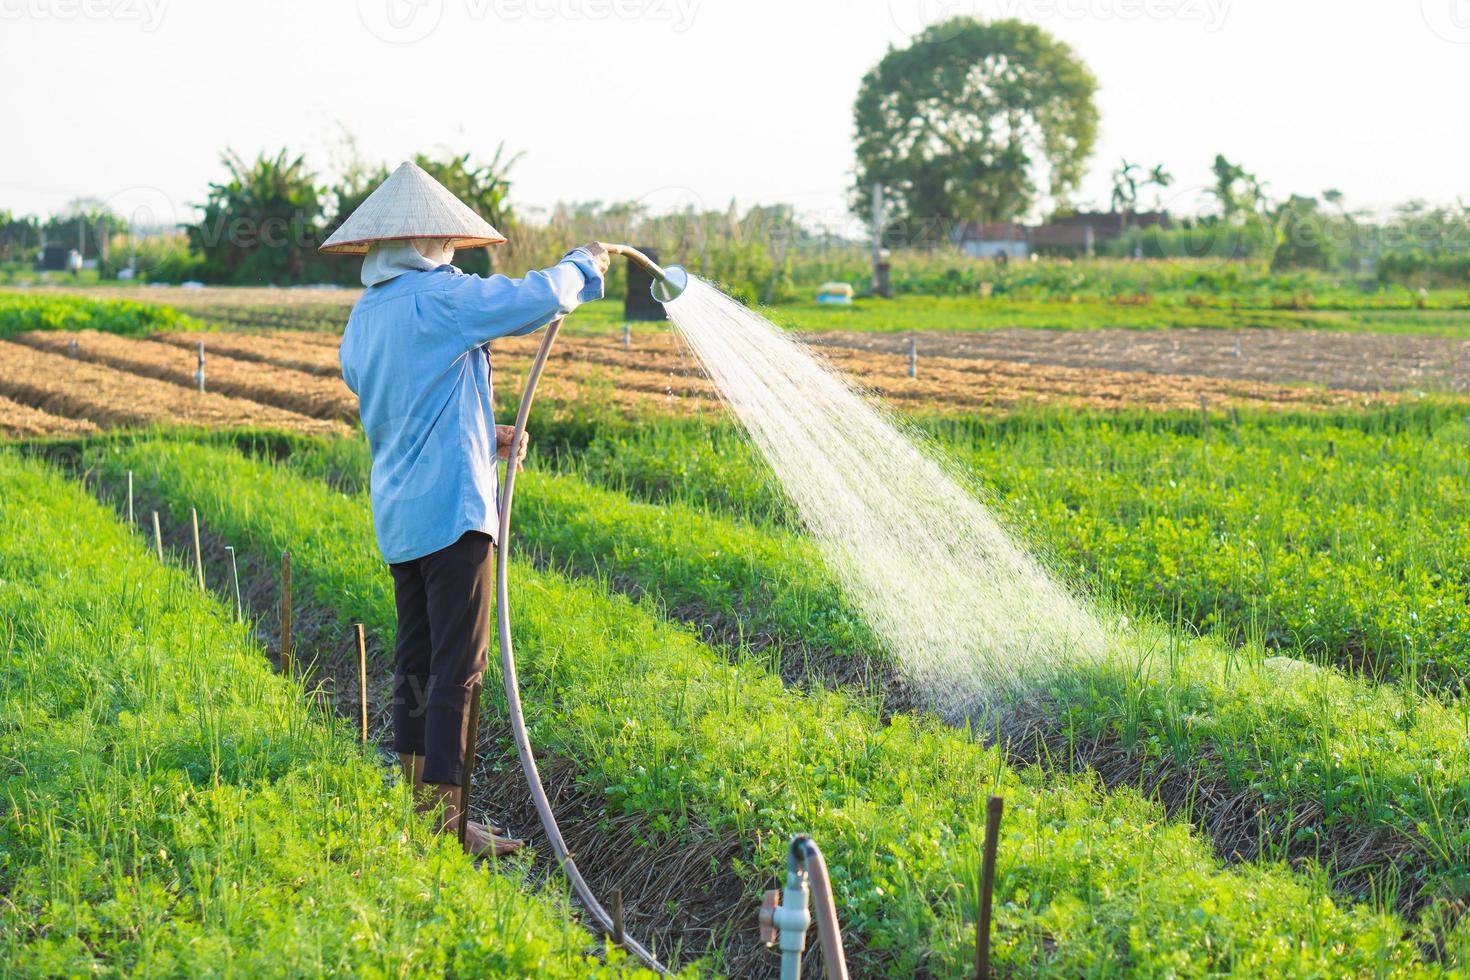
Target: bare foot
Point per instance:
(480, 842)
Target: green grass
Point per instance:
(1338, 757)
(764, 588)
(944, 313)
(1052, 295)
(667, 731)
(22, 311)
(1180, 281)
(1341, 536)
(974, 313)
(168, 806)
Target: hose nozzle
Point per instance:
(669, 282)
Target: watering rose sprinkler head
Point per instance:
(668, 282)
(675, 280)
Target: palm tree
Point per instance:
(1160, 178)
(1125, 190)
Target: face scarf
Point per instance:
(386, 260)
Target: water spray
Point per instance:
(669, 282)
(784, 923)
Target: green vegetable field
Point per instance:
(1266, 773)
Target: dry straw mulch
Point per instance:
(75, 388)
(301, 351)
(19, 421)
(256, 381)
(660, 363)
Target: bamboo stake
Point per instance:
(130, 498)
(198, 555)
(286, 613)
(617, 911)
(913, 355)
(157, 536)
(993, 808)
(471, 743)
(362, 680)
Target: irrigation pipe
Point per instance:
(609, 926)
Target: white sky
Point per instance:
(703, 100)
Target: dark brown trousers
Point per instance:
(444, 604)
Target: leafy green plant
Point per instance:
(172, 807)
(1194, 711)
(1337, 535)
(21, 311)
(662, 727)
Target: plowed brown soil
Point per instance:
(256, 381)
(74, 388)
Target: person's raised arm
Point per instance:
(499, 306)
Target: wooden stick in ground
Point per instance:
(472, 738)
(617, 911)
(362, 680)
(130, 498)
(286, 613)
(198, 554)
(157, 536)
(993, 808)
(235, 577)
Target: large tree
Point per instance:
(973, 120)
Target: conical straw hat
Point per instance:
(411, 204)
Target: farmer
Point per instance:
(416, 354)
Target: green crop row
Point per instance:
(168, 806)
(1447, 317)
(766, 589)
(671, 733)
(29, 311)
(1338, 758)
(1340, 537)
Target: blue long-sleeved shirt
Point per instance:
(415, 354)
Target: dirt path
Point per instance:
(1352, 361)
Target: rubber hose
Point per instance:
(512, 685)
